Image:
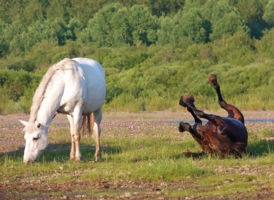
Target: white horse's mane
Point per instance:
(39, 94)
(38, 97)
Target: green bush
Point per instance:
(149, 60)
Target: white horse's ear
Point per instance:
(23, 122)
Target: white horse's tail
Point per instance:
(87, 123)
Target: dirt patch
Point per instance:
(12, 129)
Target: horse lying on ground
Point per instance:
(222, 135)
(75, 87)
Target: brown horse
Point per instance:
(222, 135)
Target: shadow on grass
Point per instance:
(60, 153)
(260, 148)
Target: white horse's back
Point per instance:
(84, 80)
(90, 63)
(95, 86)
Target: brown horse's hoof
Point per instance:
(188, 98)
(212, 79)
(181, 102)
(184, 127)
(185, 98)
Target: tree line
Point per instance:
(150, 50)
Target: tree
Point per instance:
(56, 30)
(100, 26)
(190, 4)
(236, 49)
(143, 25)
(73, 29)
(265, 45)
(4, 47)
(269, 13)
(252, 12)
(207, 9)
(194, 26)
(52, 31)
(82, 10)
(163, 7)
(121, 28)
(229, 24)
(12, 34)
(187, 27)
(33, 11)
(58, 9)
(12, 10)
(220, 9)
(164, 31)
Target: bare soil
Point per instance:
(14, 141)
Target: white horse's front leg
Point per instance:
(75, 125)
(97, 133)
(77, 118)
(72, 151)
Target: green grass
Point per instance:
(148, 156)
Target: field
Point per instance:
(142, 159)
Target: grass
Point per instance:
(149, 161)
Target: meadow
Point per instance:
(159, 51)
(143, 157)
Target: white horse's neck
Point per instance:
(51, 101)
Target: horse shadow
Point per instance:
(60, 153)
(257, 149)
(260, 148)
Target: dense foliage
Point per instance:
(152, 51)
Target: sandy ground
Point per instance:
(157, 115)
(10, 125)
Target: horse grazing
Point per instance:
(75, 87)
(223, 135)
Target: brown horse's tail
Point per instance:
(87, 123)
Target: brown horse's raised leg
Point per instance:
(232, 111)
(188, 102)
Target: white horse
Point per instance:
(75, 87)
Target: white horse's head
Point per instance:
(36, 137)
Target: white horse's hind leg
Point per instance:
(97, 132)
